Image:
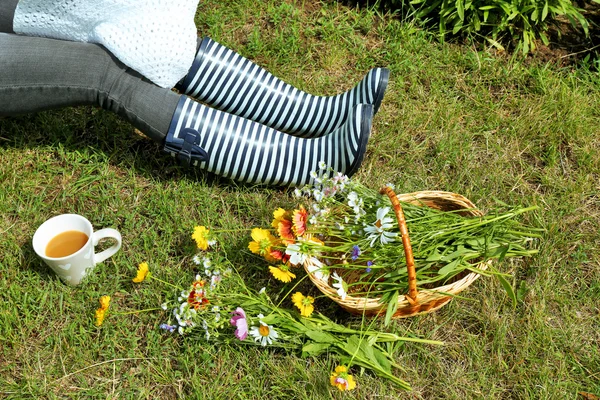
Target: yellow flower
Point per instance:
(304, 304)
(278, 215)
(341, 379)
(104, 302)
(100, 316)
(282, 273)
(200, 234)
(100, 312)
(263, 240)
(142, 272)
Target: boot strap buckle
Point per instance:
(186, 147)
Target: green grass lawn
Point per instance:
(454, 118)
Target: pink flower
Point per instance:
(241, 324)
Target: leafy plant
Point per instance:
(524, 21)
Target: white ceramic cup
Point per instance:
(74, 267)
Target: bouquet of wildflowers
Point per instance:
(348, 235)
(218, 306)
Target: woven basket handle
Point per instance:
(410, 260)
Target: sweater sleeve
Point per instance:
(157, 38)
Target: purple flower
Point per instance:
(355, 252)
(241, 324)
(167, 327)
(369, 264)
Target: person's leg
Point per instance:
(7, 13)
(248, 151)
(40, 74)
(225, 80)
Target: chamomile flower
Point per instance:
(340, 285)
(378, 229)
(264, 334)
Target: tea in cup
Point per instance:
(66, 244)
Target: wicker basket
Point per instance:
(414, 302)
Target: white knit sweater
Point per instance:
(157, 38)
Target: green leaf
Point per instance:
(391, 308)
(508, 288)
(460, 8)
(314, 349)
(321, 337)
(545, 11)
(448, 268)
(382, 360)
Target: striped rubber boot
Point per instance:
(229, 82)
(244, 150)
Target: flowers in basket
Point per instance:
(348, 237)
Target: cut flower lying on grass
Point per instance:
(348, 235)
(218, 306)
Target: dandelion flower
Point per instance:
(200, 236)
(263, 240)
(341, 379)
(240, 322)
(101, 312)
(142, 272)
(282, 273)
(299, 219)
(100, 316)
(304, 303)
(340, 285)
(378, 229)
(265, 334)
(104, 302)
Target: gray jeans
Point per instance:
(40, 74)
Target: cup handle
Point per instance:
(106, 233)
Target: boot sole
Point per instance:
(365, 129)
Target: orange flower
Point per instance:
(285, 231)
(299, 219)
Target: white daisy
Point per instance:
(196, 260)
(322, 165)
(265, 334)
(315, 267)
(340, 285)
(296, 256)
(378, 229)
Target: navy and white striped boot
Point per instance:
(248, 151)
(227, 81)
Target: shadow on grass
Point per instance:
(92, 130)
